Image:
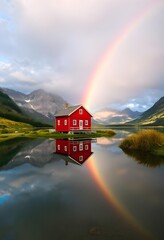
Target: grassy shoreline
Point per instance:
(148, 141)
(44, 133)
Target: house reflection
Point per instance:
(74, 151)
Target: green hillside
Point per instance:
(153, 116)
(7, 105)
(10, 110)
(9, 124)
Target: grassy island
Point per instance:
(150, 141)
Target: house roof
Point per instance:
(68, 111)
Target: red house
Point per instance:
(73, 119)
(74, 151)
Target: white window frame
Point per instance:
(74, 148)
(58, 122)
(74, 122)
(86, 147)
(86, 122)
(65, 122)
(58, 147)
(65, 148)
(80, 158)
(80, 111)
(81, 147)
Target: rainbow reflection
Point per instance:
(113, 200)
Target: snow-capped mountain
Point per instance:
(38, 102)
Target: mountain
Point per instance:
(130, 113)
(7, 105)
(10, 110)
(39, 103)
(16, 152)
(107, 116)
(153, 116)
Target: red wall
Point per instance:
(62, 127)
(63, 145)
(74, 116)
(66, 147)
(85, 152)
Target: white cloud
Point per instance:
(21, 77)
(2, 80)
(56, 45)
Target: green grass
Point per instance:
(10, 129)
(159, 152)
(10, 124)
(150, 141)
(44, 133)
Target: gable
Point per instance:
(70, 110)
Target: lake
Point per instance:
(79, 190)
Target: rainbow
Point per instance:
(107, 55)
(92, 82)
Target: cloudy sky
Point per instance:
(106, 53)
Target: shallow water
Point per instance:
(93, 192)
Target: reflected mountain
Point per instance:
(16, 152)
(10, 148)
(39, 152)
(147, 159)
(73, 151)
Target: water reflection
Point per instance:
(39, 152)
(10, 148)
(16, 152)
(147, 159)
(74, 151)
(109, 197)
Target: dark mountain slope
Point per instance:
(8, 105)
(10, 110)
(39, 103)
(153, 116)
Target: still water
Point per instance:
(79, 190)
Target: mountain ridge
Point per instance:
(111, 116)
(42, 106)
(153, 116)
(38, 104)
(10, 110)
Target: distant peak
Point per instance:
(127, 110)
(38, 91)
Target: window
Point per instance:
(58, 147)
(80, 111)
(74, 148)
(80, 158)
(86, 122)
(65, 122)
(74, 122)
(58, 122)
(86, 147)
(81, 146)
(65, 148)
